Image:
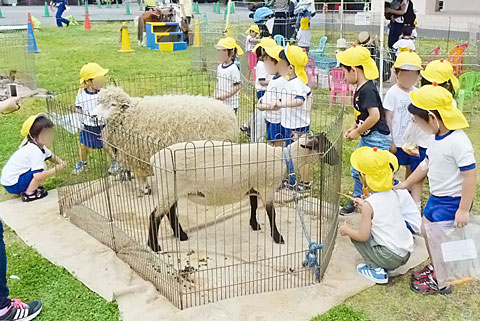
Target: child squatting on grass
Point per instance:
(26, 170)
(383, 238)
(228, 75)
(92, 79)
(449, 166)
(370, 124)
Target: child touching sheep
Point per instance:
(92, 79)
(382, 239)
(228, 75)
(252, 38)
(370, 124)
(450, 167)
(275, 88)
(26, 170)
(407, 70)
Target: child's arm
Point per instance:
(263, 82)
(224, 95)
(10, 105)
(41, 176)
(468, 192)
(276, 105)
(418, 175)
(56, 160)
(372, 119)
(364, 231)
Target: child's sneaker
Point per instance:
(113, 169)
(429, 286)
(80, 167)
(377, 275)
(20, 311)
(299, 186)
(245, 129)
(38, 194)
(423, 274)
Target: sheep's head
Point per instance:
(321, 145)
(110, 100)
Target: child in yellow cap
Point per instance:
(228, 74)
(273, 117)
(26, 170)
(304, 35)
(92, 79)
(370, 123)
(441, 72)
(449, 165)
(252, 38)
(407, 69)
(382, 237)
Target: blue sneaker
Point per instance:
(80, 167)
(377, 275)
(114, 167)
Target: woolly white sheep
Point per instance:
(222, 173)
(137, 128)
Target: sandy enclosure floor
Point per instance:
(223, 256)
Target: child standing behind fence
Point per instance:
(451, 169)
(370, 124)
(92, 79)
(252, 38)
(304, 35)
(26, 170)
(228, 75)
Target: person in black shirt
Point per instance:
(370, 125)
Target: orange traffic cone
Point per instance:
(87, 22)
(30, 21)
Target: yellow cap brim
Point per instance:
(274, 52)
(239, 49)
(452, 117)
(431, 78)
(27, 125)
(102, 72)
(369, 67)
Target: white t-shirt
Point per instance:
(447, 157)
(26, 158)
(227, 78)
(87, 101)
(404, 43)
(249, 45)
(410, 210)
(296, 117)
(397, 101)
(261, 74)
(388, 224)
(304, 38)
(275, 89)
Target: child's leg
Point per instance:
(378, 256)
(84, 153)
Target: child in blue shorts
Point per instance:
(92, 79)
(26, 170)
(450, 167)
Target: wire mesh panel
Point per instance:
(14, 60)
(221, 217)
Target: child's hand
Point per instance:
(10, 105)
(358, 202)
(461, 218)
(263, 107)
(402, 185)
(343, 229)
(352, 134)
(61, 166)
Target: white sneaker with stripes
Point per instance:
(19, 311)
(377, 275)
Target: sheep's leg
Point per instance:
(175, 224)
(155, 220)
(277, 237)
(253, 213)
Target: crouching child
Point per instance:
(382, 239)
(26, 170)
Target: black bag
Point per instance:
(409, 16)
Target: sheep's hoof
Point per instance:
(183, 236)
(155, 247)
(255, 226)
(278, 238)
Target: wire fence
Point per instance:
(232, 219)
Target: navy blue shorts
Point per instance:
(410, 160)
(288, 133)
(441, 208)
(260, 94)
(274, 131)
(23, 182)
(91, 136)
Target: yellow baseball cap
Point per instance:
(440, 71)
(27, 125)
(408, 60)
(265, 42)
(253, 28)
(359, 56)
(304, 23)
(377, 165)
(274, 51)
(229, 43)
(434, 97)
(91, 71)
(299, 59)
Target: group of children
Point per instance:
(440, 151)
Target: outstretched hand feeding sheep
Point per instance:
(137, 128)
(223, 173)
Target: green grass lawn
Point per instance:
(64, 51)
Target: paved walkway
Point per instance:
(18, 15)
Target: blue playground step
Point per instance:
(165, 36)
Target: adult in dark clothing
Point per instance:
(61, 7)
(403, 16)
